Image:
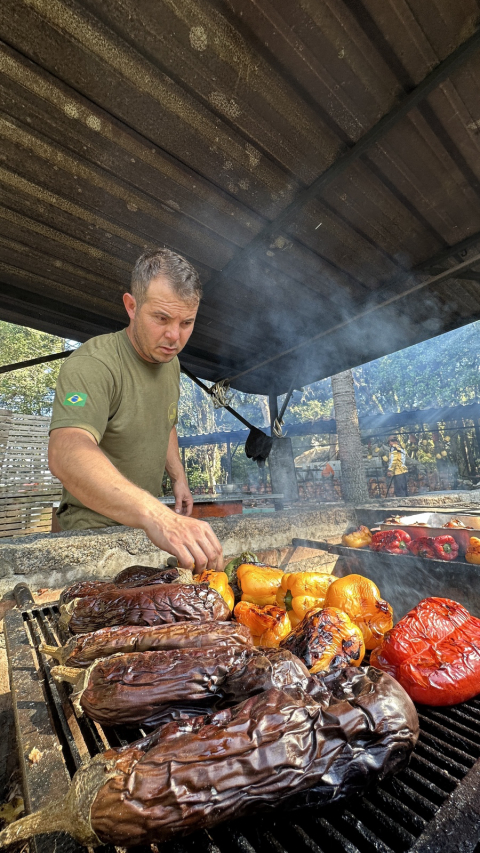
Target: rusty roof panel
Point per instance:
(196, 124)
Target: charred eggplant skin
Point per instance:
(131, 577)
(82, 650)
(364, 731)
(160, 604)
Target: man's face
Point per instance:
(161, 327)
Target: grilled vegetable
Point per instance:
(159, 604)
(300, 591)
(360, 599)
(390, 541)
(422, 547)
(83, 650)
(232, 566)
(137, 688)
(326, 639)
(472, 554)
(434, 652)
(84, 589)
(434, 547)
(358, 538)
(218, 581)
(129, 578)
(275, 749)
(151, 687)
(145, 575)
(264, 668)
(259, 584)
(445, 547)
(268, 624)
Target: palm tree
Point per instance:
(354, 483)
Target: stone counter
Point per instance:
(55, 559)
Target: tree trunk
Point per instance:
(354, 483)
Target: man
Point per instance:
(397, 468)
(113, 430)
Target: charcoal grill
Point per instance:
(433, 806)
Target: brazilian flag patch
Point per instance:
(74, 398)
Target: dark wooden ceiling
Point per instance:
(313, 158)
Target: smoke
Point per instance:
(277, 307)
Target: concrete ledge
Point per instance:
(56, 559)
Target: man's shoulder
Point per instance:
(102, 348)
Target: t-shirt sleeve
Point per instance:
(84, 392)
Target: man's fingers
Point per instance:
(185, 559)
(215, 544)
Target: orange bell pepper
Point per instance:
(360, 599)
(218, 581)
(358, 538)
(268, 624)
(472, 554)
(259, 584)
(300, 591)
(326, 639)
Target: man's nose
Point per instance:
(173, 332)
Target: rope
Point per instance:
(221, 394)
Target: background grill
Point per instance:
(431, 807)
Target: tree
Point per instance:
(29, 390)
(354, 484)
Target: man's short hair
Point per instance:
(181, 276)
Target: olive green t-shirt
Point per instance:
(127, 404)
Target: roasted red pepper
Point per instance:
(445, 547)
(390, 541)
(434, 547)
(422, 547)
(434, 652)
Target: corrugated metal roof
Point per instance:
(305, 155)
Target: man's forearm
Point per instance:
(87, 474)
(173, 463)
(75, 458)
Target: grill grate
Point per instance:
(398, 816)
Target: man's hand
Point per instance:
(389, 474)
(183, 497)
(192, 541)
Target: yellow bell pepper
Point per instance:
(294, 619)
(300, 591)
(219, 582)
(262, 600)
(473, 551)
(359, 598)
(259, 584)
(340, 641)
(358, 538)
(268, 624)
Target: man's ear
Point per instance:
(130, 305)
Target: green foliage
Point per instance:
(31, 389)
(443, 371)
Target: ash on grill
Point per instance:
(431, 806)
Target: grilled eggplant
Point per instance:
(160, 604)
(141, 688)
(83, 650)
(275, 749)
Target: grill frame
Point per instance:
(440, 814)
